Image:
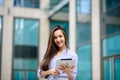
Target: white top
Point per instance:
(66, 54)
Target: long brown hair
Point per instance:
(52, 48)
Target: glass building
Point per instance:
(93, 28)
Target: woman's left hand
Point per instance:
(67, 69)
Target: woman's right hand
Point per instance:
(49, 72)
(54, 72)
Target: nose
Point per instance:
(58, 39)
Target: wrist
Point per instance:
(49, 72)
(70, 77)
(44, 73)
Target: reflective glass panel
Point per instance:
(107, 70)
(84, 63)
(111, 37)
(83, 6)
(54, 3)
(117, 69)
(83, 33)
(25, 47)
(112, 29)
(27, 3)
(113, 8)
(111, 45)
(112, 25)
(31, 75)
(83, 39)
(19, 75)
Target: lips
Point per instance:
(59, 43)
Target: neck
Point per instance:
(62, 48)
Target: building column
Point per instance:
(44, 29)
(44, 34)
(7, 41)
(96, 49)
(72, 25)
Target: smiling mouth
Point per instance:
(59, 43)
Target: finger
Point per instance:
(63, 66)
(60, 68)
(57, 71)
(66, 64)
(72, 67)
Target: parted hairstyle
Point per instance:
(52, 48)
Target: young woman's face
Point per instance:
(59, 38)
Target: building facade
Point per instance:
(93, 28)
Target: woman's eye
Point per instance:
(60, 36)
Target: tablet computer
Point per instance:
(64, 61)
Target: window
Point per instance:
(83, 39)
(111, 39)
(83, 6)
(25, 60)
(27, 3)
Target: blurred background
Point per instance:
(93, 28)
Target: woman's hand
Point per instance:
(67, 69)
(54, 72)
(49, 72)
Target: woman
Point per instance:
(57, 49)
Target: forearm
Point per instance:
(45, 73)
(70, 77)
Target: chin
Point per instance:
(59, 46)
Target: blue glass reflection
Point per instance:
(25, 48)
(112, 4)
(27, 3)
(31, 75)
(83, 38)
(19, 75)
(107, 70)
(111, 46)
(26, 32)
(83, 6)
(25, 75)
(113, 8)
(117, 69)
(84, 63)
(25, 63)
(111, 29)
(83, 33)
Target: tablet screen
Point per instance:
(64, 61)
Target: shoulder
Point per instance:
(72, 53)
